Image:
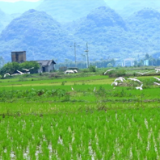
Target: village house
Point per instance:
(45, 65)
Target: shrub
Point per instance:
(117, 73)
(92, 68)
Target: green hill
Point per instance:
(37, 33)
(69, 10)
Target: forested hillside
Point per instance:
(108, 34)
(69, 10)
(37, 33)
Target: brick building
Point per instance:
(18, 56)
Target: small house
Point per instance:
(46, 65)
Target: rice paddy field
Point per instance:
(79, 118)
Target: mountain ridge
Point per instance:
(107, 33)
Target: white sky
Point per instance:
(19, 0)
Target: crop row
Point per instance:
(126, 134)
(80, 94)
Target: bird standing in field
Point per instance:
(72, 88)
(94, 90)
(140, 87)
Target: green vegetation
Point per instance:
(78, 116)
(108, 34)
(14, 66)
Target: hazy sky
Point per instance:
(19, 0)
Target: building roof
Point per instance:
(46, 62)
(18, 52)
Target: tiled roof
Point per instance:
(46, 62)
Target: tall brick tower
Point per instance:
(18, 56)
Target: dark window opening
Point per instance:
(16, 57)
(43, 69)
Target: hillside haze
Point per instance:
(18, 7)
(69, 10)
(128, 28)
(37, 33)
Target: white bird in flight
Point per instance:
(135, 79)
(6, 75)
(108, 71)
(114, 83)
(140, 87)
(157, 70)
(157, 78)
(20, 72)
(157, 83)
(120, 79)
(143, 73)
(27, 70)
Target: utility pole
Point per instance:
(87, 54)
(75, 54)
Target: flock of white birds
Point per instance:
(118, 80)
(19, 72)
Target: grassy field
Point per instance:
(79, 117)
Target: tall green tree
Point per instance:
(9, 68)
(14, 66)
(28, 65)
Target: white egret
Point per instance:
(108, 71)
(120, 79)
(114, 83)
(135, 79)
(27, 70)
(143, 73)
(157, 70)
(72, 88)
(140, 87)
(20, 72)
(157, 78)
(6, 75)
(157, 83)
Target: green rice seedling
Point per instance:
(5, 155)
(45, 149)
(32, 151)
(108, 155)
(54, 157)
(60, 150)
(19, 154)
(74, 148)
(135, 153)
(98, 154)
